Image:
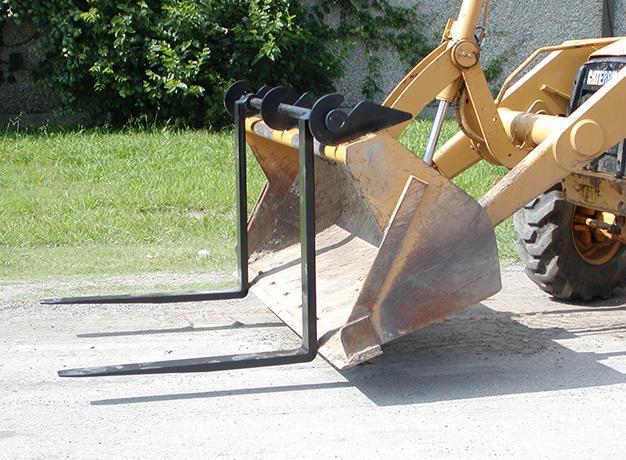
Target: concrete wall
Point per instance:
(619, 18)
(516, 28)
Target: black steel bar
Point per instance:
(242, 197)
(284, 109)
(242, 244)
(183, 366)
(148, 298)
(608, 18)
(307, 237)
(308, 351)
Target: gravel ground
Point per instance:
(518, 375)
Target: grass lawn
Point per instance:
(84, 203)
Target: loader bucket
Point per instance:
(398, 245)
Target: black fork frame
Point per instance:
(308, 350)
(323, 120)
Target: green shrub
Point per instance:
(171, 60)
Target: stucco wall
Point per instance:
(620, 18)
(516, 28)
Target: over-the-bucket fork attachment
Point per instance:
(367, 324)
(373, 243)
(384, 243)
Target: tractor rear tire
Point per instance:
(548, 249)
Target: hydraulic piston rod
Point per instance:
(435, 133)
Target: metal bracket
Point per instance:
(308, 350)
(329, 121)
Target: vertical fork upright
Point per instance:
(307, 238)
(242, 198)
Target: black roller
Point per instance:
(270, 108)
(321, 110)
(236, 91)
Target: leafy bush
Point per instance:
(173, 59)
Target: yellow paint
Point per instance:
(524, 129)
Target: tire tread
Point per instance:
(547, 249)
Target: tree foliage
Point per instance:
(173, 59)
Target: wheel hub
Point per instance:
(596, 246)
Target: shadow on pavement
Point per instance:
(221, 393)
(478, 353)
(178, 330)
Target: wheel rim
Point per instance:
(594, 246)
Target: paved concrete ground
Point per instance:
(517, 375)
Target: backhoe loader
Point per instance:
(356, 241)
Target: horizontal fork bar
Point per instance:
(288, 110)
(148, 298)
(212, 364)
